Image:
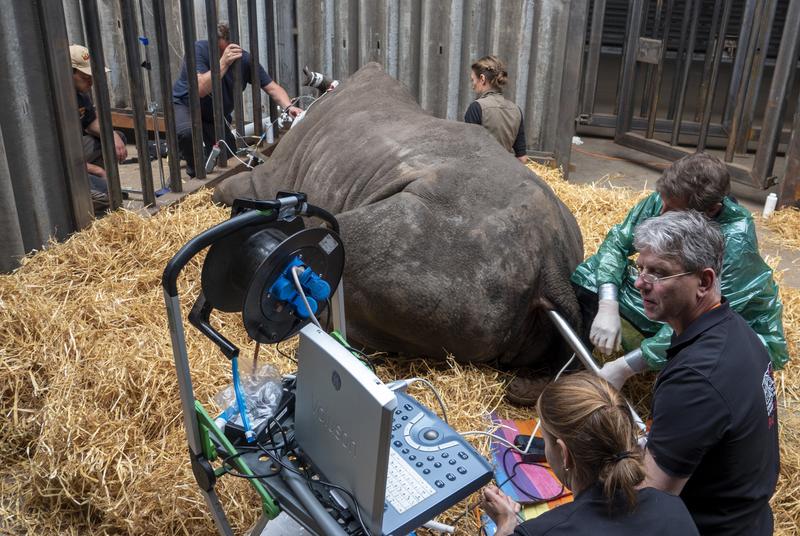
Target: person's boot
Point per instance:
(100, 202)
(525, 388)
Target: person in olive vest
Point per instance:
(491, 109)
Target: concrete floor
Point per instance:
(602, 160)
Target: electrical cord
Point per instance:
(233, 154)
(320, 482)
(302, 293)
(403, 385)
(287, 356)
(513, 473)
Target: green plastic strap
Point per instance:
(208, 428)
(340, 339)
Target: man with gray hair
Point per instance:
(614, 308)
(714, 437)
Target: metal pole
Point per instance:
(782, 78)
(129, 34)
(233, 21)
(56, 52)
(165, 81)
(653, 108)
(94, 43)
(687, 65)
(568, 105)
(628, 72)
(216, 80)
(593, 57)
(789, 186)
(189, 37)
(649, 83)
(740, 64)
(272, 29)
(756, 73)
(712, 87)
(255, 80)
(711, 47)
(152, 105)
(584, 355)
(735, 123)
(679, 59)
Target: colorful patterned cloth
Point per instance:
(534, 486)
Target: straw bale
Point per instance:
(91, 432)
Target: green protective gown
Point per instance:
(746, 280)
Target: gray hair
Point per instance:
(700, 179)
(686, 237)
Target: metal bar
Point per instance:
(94, 43)
(585, 356)
(628, 72)
(165, 81)
(272, 30)
(679, 59)
(756, 74)
(11, 244)
(189, 37)
(56, 52)
(712, 45)
(782, 78)
(238, 107)
(653, 107)
(740, 61)
(649, 78)
(789, 185)
(568, 104)
(691, 128)
(712, 87)
(666, 151)
(130, 35)
(255, 81)
(216, 81)
(593, 57)
(735, 123)
(687, 65)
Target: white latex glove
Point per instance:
(618, 371)
(606, 329)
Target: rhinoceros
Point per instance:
(452, 245)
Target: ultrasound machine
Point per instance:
(344, 453)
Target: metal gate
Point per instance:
(742, 37)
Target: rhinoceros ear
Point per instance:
(236, 186)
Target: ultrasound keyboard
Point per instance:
(431, 468)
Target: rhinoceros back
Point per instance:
(452, 245)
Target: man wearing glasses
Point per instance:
(714, 437)
(604, 283)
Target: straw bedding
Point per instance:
(91, 435)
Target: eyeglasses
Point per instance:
(650, 279)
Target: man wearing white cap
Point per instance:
(90, 128)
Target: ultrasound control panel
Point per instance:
(431, 468)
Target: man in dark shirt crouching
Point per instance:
(714, 438)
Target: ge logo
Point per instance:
(336, 380)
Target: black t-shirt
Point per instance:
(656, 514)
(715, 420)
(474, 115)
(202, 54)
(85, 110)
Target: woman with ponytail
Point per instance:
(499, 115)
(590, 444)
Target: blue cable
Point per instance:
(237, 388)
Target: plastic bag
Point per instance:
(262, 390)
